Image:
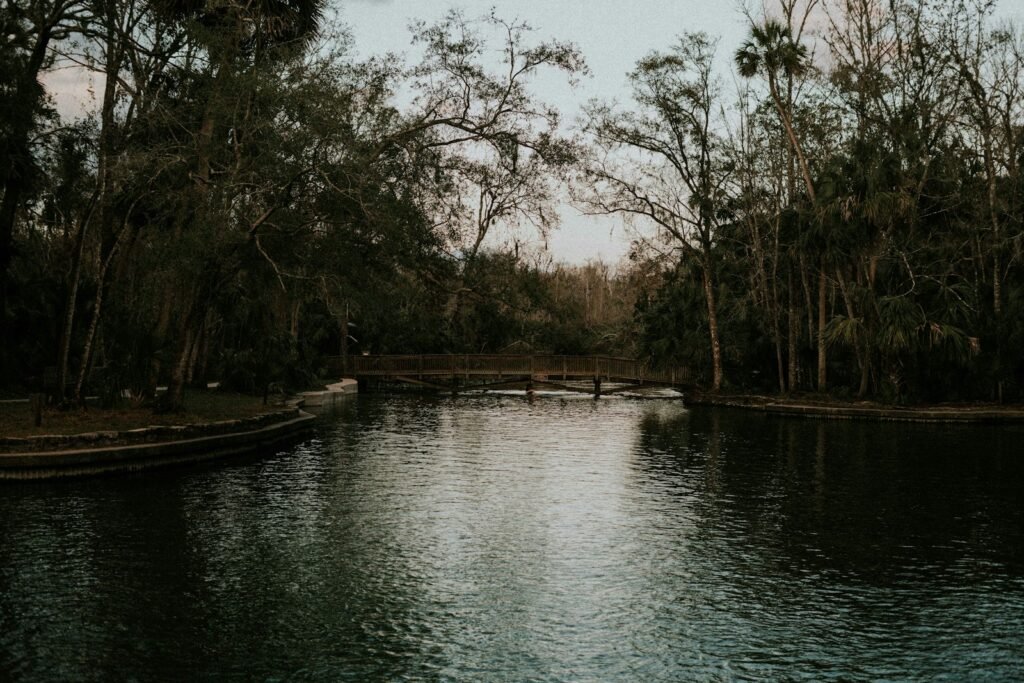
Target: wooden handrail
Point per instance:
(609, 368)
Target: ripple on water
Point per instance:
(494, 538)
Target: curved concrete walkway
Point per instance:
(331, 395)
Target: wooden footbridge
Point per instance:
(463, 372)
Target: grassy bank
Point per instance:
(201, 406)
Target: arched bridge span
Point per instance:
(459, 371)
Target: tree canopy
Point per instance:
(247, 198)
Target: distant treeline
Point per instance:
(243, 197)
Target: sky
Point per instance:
(611, 34)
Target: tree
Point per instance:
(666, 162)
(241, 41)
(29, 28)
(771, 50)
(990, 63)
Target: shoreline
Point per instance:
(206, 442)
(54, 456)
(811, 408)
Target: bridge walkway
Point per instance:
(455, 372)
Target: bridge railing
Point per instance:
(501, 365)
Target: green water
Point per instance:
(564, 539)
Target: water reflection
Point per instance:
(563, 538)
(862, 497)
(875, 544)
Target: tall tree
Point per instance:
(666, 162)
(771, 50)
(30, 28)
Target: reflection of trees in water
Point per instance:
(663, 451)
(64, 546)
(876, 499)
(886, 497)
(226, 565)
(663, 427)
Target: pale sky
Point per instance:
(611, 34)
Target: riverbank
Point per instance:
(17, 420)
(832, 409)
(94, 441)
(58, 456)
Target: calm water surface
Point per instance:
(495, 539)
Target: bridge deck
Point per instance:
(510, 367)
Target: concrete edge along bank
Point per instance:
(838, 411)
(58, 456)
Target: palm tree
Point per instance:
(771, 50)
(237, 34)
(233, 30)
(248, 24)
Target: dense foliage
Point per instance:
(245, 198)
(851, 221)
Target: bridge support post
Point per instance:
(455, 378)
(37, 401)
(597, 386)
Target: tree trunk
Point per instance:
(97, 309)
(8, 209)
(779, 363)
(858, 342)
(195, 311)
(791, 134)
(69, 313)
(97, 312)
(193, 356)
(794, 345)
(822, 315)
(109, 240)
(203, 357)
(208, 125)
(769, 293)
(343, 348)
(777, 306)
(808, 304)
(716, 348)
(174, 399)
(90, 336)
(997, 275)
(194, 316)
(163, 326)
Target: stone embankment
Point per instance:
(836, 410)
(56, 456)
(53, 456)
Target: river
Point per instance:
(494, 538)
